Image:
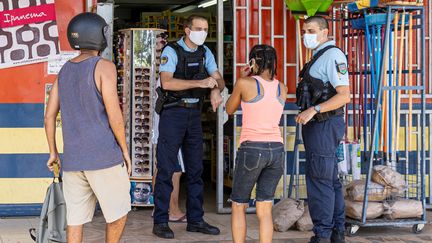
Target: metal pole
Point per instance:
(430, 60)
(219, 129)
(284, 180)
(423, 114)
(375, 125)
(106, 11)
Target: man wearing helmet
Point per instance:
(188, 72)
(95, 162)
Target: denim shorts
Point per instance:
(260, 163)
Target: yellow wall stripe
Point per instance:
(23, 190)
(27, 141)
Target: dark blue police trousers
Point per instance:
(324, 190)
(179, 127)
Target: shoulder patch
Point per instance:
(341, 68)
(164, 60)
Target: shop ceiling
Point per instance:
(154, 5)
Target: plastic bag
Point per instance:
(402, 209)
(355, 209)
(286, 213)
(376, 192)
(305, 222)
(386, 176)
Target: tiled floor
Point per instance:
(139, 227)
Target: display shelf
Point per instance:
(138, 58)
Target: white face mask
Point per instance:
(311, 41)
(198, 37)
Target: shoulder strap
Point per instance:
(258, 86)
(201, 50)
(315, 58)
(279, 90)
(319, 54)
(177, 48)
(179, 52)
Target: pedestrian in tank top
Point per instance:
(96, 163)
(261, 154)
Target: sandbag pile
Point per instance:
(305, 222)
(403, 209)
(289, 212)
(286, 213)
(355, 209)
(386, 185)
(386, 176)
(376, 192)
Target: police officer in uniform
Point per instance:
(321, 96)
(188, 73)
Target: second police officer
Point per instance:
(321, 96)
(188, 72)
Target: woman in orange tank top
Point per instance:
(261, 154)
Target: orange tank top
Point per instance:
(261, 115)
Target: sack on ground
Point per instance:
(286, 213)
(305, 222)
(386, 176)
(355, 209)
(376, 192)
(402, 209)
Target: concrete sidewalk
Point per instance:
(139, 227)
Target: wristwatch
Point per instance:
(317, 108)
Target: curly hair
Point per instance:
(265, 58)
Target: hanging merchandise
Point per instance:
(385, 38)
(308, 7)
(342, 157)
(355, 158)
(361, 4)
(138, 60)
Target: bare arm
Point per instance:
(168, 82)
(234, 100)
(106, 75)
(53, 108)
(108, 84)
(220, 81)
(340, 99)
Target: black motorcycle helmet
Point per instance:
(87, 31)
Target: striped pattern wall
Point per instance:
(23, 147)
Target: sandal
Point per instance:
(182, 219)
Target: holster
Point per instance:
(161, 100)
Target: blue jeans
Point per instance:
(179, 128)
(324, 190)
(260, 163)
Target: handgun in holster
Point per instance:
(161, 100)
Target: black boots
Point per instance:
(163, 231)
(337, 237)
(316, 239)
(202, 227)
